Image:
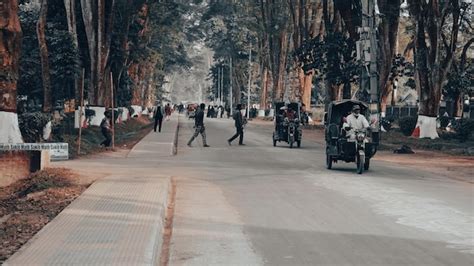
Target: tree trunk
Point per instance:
(263, 97)
(70, 6)
(10, 43)
(133, 71)
(305, 22)
(44, 55)
(346, 91)
(120, 65)
(280, 74)
(105, 28)
(388, 33)
(89, 16)
(306, 84)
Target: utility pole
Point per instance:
(80, 113)
(222, 86)
(231, 89)
(112, 105)
(367, 52)
(250, 81)
(218, 82)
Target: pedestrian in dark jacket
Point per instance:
(199, 126)
(239, 126)
(158, 118)
(106, 129)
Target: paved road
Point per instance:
(264, 205)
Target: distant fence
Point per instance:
(397, 112)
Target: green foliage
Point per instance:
(458, 83)
(464, 129)
(63, 57)
(29, 82)
(124, 93)
(407, 125)
(32, 124)
(333, 58)
(64, 61)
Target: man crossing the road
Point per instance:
(199, 126)
(239, 126)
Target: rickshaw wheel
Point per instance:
(360, 165)
(328, 161)
(367, 164)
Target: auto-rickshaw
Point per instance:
(339, 145)
(287, 121)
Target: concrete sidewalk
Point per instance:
(158, 143)
(118, 220)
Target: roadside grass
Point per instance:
(127, 134)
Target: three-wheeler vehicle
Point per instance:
(287, 121)
(346, 144)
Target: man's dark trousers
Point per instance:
(108, 138)
(158, 123)
(240, 132)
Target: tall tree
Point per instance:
(44, 55)
(306, 20)
(388, 34)
(436, 39)
(98, 18)
(10, 43)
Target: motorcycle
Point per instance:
(362, 161)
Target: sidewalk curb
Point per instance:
(161, 232)
(175, 139)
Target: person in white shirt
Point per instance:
(355, 121)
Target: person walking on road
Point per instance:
(168, 111)
(158, 118)
(199, 126)
(106, 129)
(239, 126)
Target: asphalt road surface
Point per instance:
(264, 205)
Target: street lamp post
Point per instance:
(222, 86)
(367, 51)
(250, 81)
(231, 89)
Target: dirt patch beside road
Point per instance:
(29, 204)
(456, 167)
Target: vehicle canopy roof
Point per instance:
(339, 109)
(295, 106)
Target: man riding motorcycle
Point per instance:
(355, 122)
